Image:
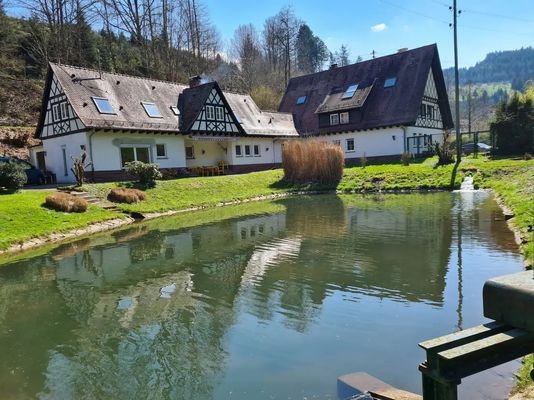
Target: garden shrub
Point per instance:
(445, 151)
(126, 195)
(312, 161)
(12, 176)
(363, 161)
(406, 158)
(145, 173)
(66, 202)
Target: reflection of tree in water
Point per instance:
(149, 247)
(69, 249)
(130, 233)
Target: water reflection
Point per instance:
(157, 313)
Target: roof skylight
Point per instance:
(152, 110)
(175, 110)
(350, 91)
(301, 100)
(103, 105)
(390, 82)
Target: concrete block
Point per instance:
(509, 300)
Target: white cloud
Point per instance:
(379, 27)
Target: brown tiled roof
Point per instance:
(397, 105)
(125, 94)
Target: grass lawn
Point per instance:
(23, 218)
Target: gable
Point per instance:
(214, 115)
(429, 111)
(58, 116)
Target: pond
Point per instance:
(270, 300)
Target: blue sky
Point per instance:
(483, 26)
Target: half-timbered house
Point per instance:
(376, 108)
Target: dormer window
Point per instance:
(390, 82)
(334, 119)
(344, 118)
(350, 91)
(175, 110)
(151, 110)
(301, 100)
(103, 105)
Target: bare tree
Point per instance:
(245, 48)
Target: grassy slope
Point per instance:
(23, 218)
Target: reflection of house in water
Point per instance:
(130, 340)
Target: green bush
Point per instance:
(12, 176)
(145, 173)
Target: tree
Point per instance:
(343, 56)
(311, 51)
(246, 49)
(513, 128)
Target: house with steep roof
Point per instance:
(116, 118)
(376, 108)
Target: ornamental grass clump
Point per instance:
(126, 195)
(66, 202)
(312, 161)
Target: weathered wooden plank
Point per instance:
(394, 394)
(478, 355)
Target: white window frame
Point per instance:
(256, 153)
(334, 119)
(350, 143)
(56, 113)
(164, 145)
(192, 157)
(95, 98)
(210, 113)
(247, 153)
(64, 108)
(240, 152)
(344, 117)
(135, 147)
(219, 113)
(146, 104)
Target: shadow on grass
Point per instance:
(4, 191)
(135, 185)
(453, 175)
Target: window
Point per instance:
(429, 112)
(133, 153)
(56, 113)
(301, 100)
(238, 151)
(422, 111)
(350, 144)
(65, 114)
(151, 110)
(350, 92)
(344, 118)
(219, 113)
(390, 82)
(247, 150)
(161, 150)
(189, 152)
(175, 110)
(256, 150)
(334, 119)
(337, 142)
(210, 112)
(103, 105)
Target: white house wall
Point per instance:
(207, 153)
(56, 148)
(270, 151)
(373, 143)
(106, 154)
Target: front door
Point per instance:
(41, 164)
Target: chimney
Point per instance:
(333, 66)
(402, 50)
(194, 81)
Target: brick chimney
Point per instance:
(194, 81)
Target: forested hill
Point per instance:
(514, 66)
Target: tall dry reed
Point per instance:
(312, 161)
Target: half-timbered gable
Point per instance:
(205, 110)
(429, 111)
(58, 115)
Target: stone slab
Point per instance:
(359, 383)
(509, 299)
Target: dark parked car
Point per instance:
(34, 176)
(469, 148)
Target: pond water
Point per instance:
(273, 304)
